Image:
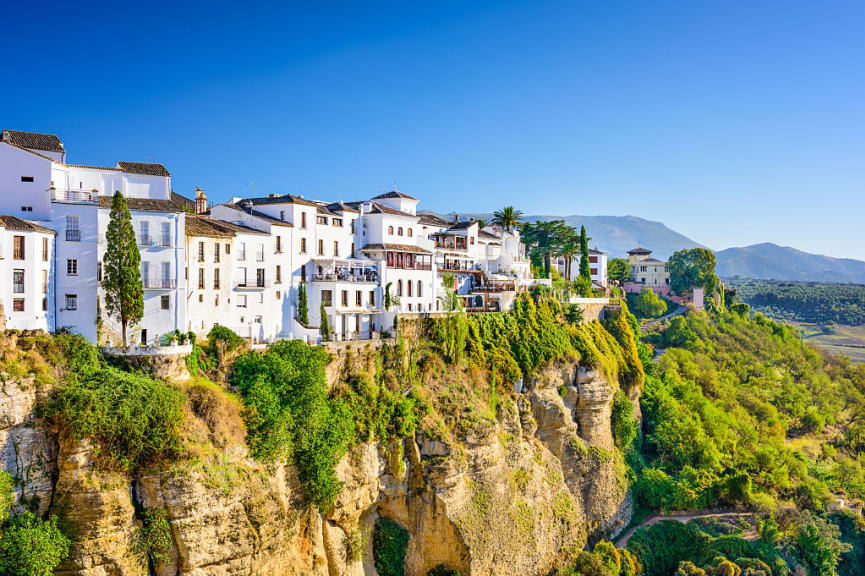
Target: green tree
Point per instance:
(568, 247)
(302, 304)
(618, 270)
(543, 239)
(647, 304)
(324, 325)
(508, 218)
(694, 268)
(819, 545)
(482, 223)
(585, 270)
(124, 294)
(450, 332)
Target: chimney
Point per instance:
(200, 201)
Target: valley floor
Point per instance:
(849, 340)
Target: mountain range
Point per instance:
(615, 235)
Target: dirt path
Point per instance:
(667, 316)
(622, 541)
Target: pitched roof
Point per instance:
(594, 251)
(639, 251)
(341, 207)
(145, 204)
(394, 194)
(377, 208)
(34, 140)
(653, 261)
(143, 168)
(485, 234)
(258, 214)
(432, 220)
(465, 225)
(396, 247)
(281, 199)
(203, 226)
(15, 223)
(183, 202)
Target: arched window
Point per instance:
(399, 287)
(390, 230)
(408, 285)
(410, 233)
(399, 231)
(419, 289)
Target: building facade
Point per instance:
(647, 272)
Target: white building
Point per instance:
(597, 267)
(26, 266)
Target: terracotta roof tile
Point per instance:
(394, 194)
(15, 223)
(34, 140)
(146, 204)
(143, 168)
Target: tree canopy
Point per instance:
(693, 268)
(124, 293)
(508, 218)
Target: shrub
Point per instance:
(624, 425)
(156, 539)
(389, 545)
(647, 304)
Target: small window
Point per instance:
(410, 233)
(303, 245)
(372, 297)
(358, 298)
(390, 230)
(399, 231)
(321, 219)
(278, 274)
(27, 208)
(71, 301)
(228, 248)
(419, 289)
(282, 214)
(27, 178)
(99, 271)
(345, 297)
(321, 247)
(18, 248)
(335, 248)
(165, 302)
(327, 298)
(45, 249)
(18, 305)
(408, 287)
(201, 297)
(278, 295)
(303, 219)
(45, 304)
(71, 267)
(337, 222)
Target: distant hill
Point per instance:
(615, 235)
(772, 262)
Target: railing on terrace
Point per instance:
(345, 278)
(74, 195)
(146, 240)
(252, 284)
(158, 283)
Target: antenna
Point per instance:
(252, 187)
(394, 184)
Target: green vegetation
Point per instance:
(811, 302)
(618, 269)
(133, 420)
(647, 304)
(508, 218)
(389, 545)
(124, 293)
(28, 546)
(692, 269)
(156, 540)
(604, 560)
(324, 325)
(302, 304)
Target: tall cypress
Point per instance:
(124, 293)
(324, 324)
(302, 304)
(585, 271)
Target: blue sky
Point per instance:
(732, 122)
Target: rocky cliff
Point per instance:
(519, 483)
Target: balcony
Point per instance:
(158, 283)
(73, 235)
(252, 284)
(74, 195)
(335, 277)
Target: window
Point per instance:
(216, 300)
(335, 248)
(45, 249)
(145, 273)
(399, 287)
(410, 233)
(241, 301)
(71, 302)
(71, 267)
(45, 304)
(27, 208)
(327, 297)
(337, 222)
(399, 231)
(45, 281)
(593, 259)
(99, 271)
(227, 248)
(279, 244)
(201, 251)
(419, 289)
(303, 245)
(352, 249)
(352, 226)
(593, 271)
(166, 275)
(201, 278)
(345, 298)
(358, 298)
(258, 319)
(390, 230)
(216, 252)
(303, 219)
(282, 214)
(242, 255)
(165, 302)
(259, 255)
(278, 274)
(166, 234)
(259, 277)
(278, 295)
(321, 220)
(321, 247)
(145, 233)
(18, 248)
(216, 279)
(73, 232)
(27, 178)
(18, 281)
(303, 273)
(18, 305)
(472, 240)
(408, 288)
(372, 297)
(201, 297)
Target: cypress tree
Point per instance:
(124, 293)
(585, 271)
(325, 326)
(302, 304)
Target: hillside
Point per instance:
(615, 235)
(772, 262)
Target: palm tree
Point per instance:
(568, 244)
(508, 218)
(481, 223)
